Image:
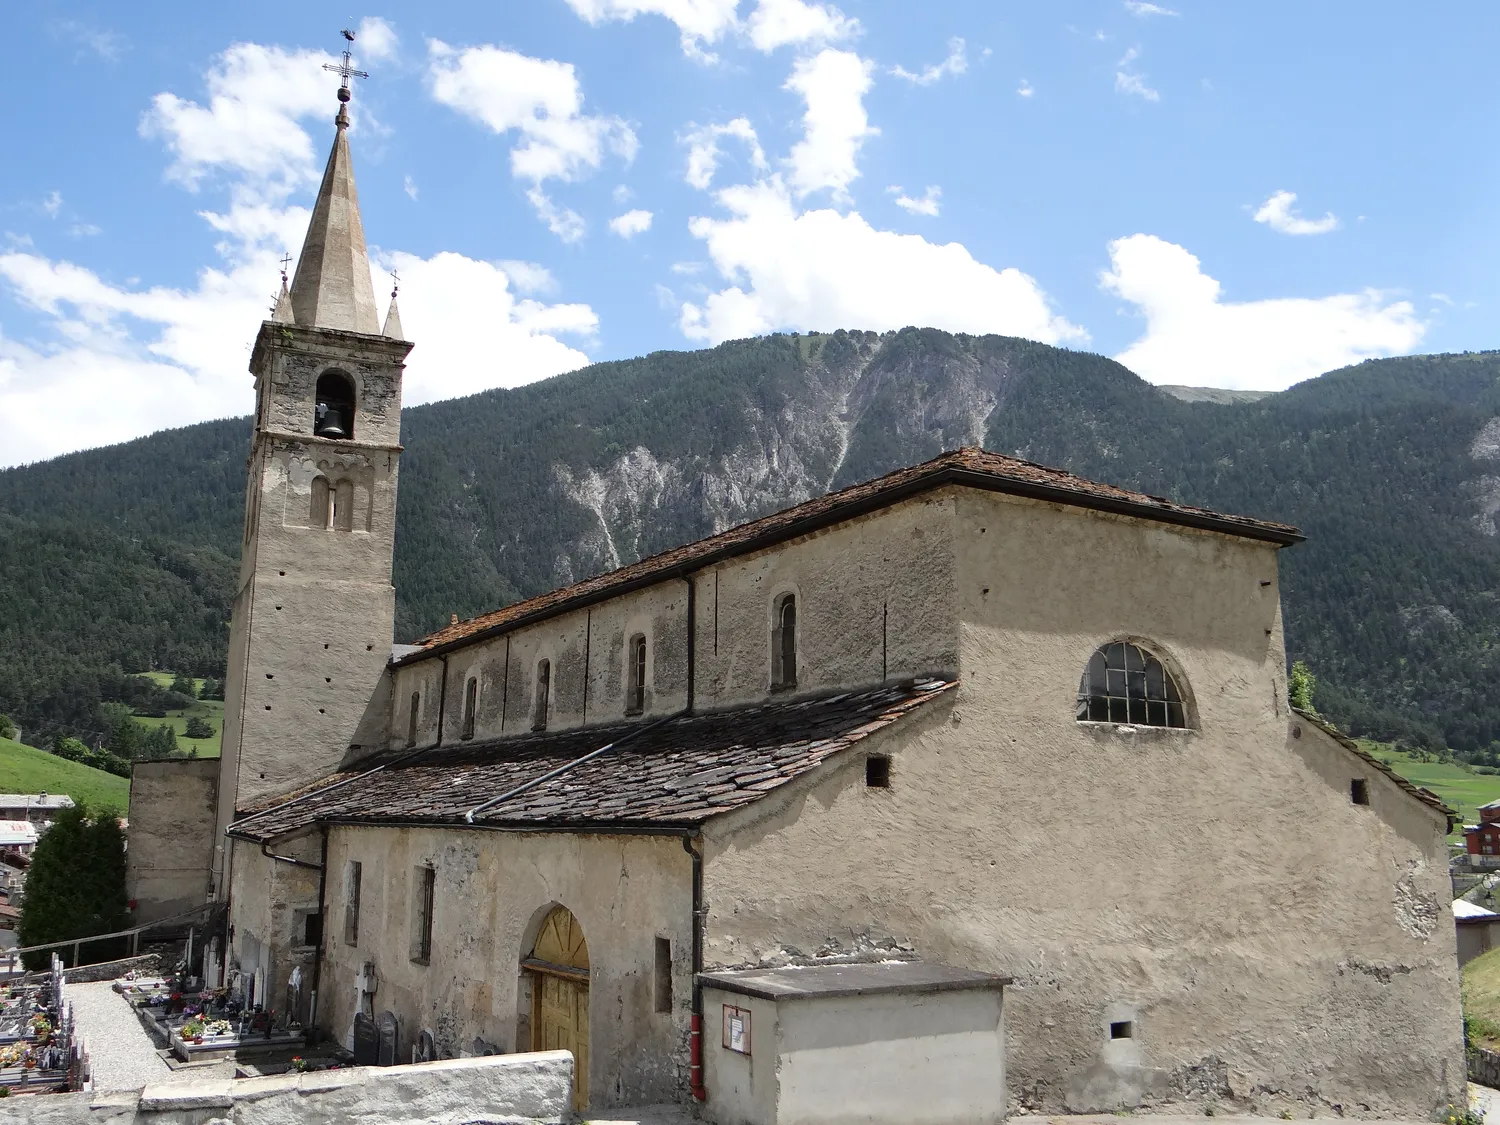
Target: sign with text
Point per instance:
(737, 1029)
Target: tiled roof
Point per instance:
(1426, 796)
(674, 773)
(975, 467)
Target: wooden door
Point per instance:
(560, 992)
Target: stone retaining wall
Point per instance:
(530, 1089)
(1484, 1067)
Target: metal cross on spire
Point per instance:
(345, 70)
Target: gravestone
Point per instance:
(366, 1041)
(389, 1034)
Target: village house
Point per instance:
(972, 722)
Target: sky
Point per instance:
(1215, 193)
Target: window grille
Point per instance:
(1124, 683)
(635, 702)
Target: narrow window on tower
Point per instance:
(352, 874)
(343, 505)
(411, 721)
(543, 694)
(471, 696)
(635, 693)
(784, 643)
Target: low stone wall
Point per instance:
(147, 965)
(531, 1089)
(1484, 1067)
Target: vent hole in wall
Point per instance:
(270, 676)
(268, 706)
(328, 679)
(1359, 791)
(878, 771)
(320, 710)
(1122, 1029)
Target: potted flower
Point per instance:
(299, 1064)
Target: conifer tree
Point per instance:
(76, 887)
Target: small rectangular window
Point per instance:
(635, 698)
(543, 695)
(1359, 791)
(471, 697)
(411, 721)
(424, 881)
(878, 771)
(352, 875)
(1122, 1029)
(663, 988)
(312, 928)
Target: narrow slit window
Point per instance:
(1359, 791)
(1123, 683)
(343, 506)
(543, 695)
(635, 699)
(412, 717)
(471, 697)
(352, 876)
(784, 643)
(663, 989)
(425, 879)
(321, 515)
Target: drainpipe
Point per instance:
(317, 972)
(695, 1035)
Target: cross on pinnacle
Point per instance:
(345, 70)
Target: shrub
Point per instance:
(76, 887)
(198, 728)
(184, 684)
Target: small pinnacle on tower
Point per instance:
(392, 329)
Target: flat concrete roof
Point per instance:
(818, 981)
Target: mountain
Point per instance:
(118, 559)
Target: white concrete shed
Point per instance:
(907, 1043)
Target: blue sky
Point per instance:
(562, 181)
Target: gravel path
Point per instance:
(122, 1054)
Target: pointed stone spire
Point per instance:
(332, 288)
(392, 328)
(282, 314)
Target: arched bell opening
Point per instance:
(558, 965)
(333, 414)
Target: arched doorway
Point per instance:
(559, 964)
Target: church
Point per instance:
(977, 720)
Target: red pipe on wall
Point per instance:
(695, 1059)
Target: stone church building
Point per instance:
(976, 713)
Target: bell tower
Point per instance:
(314, 614)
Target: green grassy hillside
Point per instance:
(24, 769)
(1457, 784)
(210, 711)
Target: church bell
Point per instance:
(332, 420)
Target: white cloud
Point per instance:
(540, 99)
(833, 85)
(1194, 336)
(528, 277)
(376, 40)
(1279, 214)
(957, 62)
(249, 128)
(120, 360)
(703, 149)
(622, 194)
(928, 205)
(1143, 10)
(409, 186)
(52, 204)
(564, 222)
(1130, 81)
(783, 23)
(1025, 89)
(698, 21)
(824, 270)
(108, 45)
(631, 223)
(84, 230)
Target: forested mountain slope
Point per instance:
(113, 559)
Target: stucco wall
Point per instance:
(1269, 941)
(492, 892)
(271, 900)
(895, 1059)
(170, 858)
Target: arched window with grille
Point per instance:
(543, 695)
(1124, 683)
(784, 642)
(471, 698)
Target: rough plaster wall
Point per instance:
(267, 896)
(426, 679)
(1270, 940)
(874, 601)
(492, 892)
(170, 858)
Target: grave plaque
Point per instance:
(366, 1041)
(389, 1033)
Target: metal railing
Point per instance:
(8, 957)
